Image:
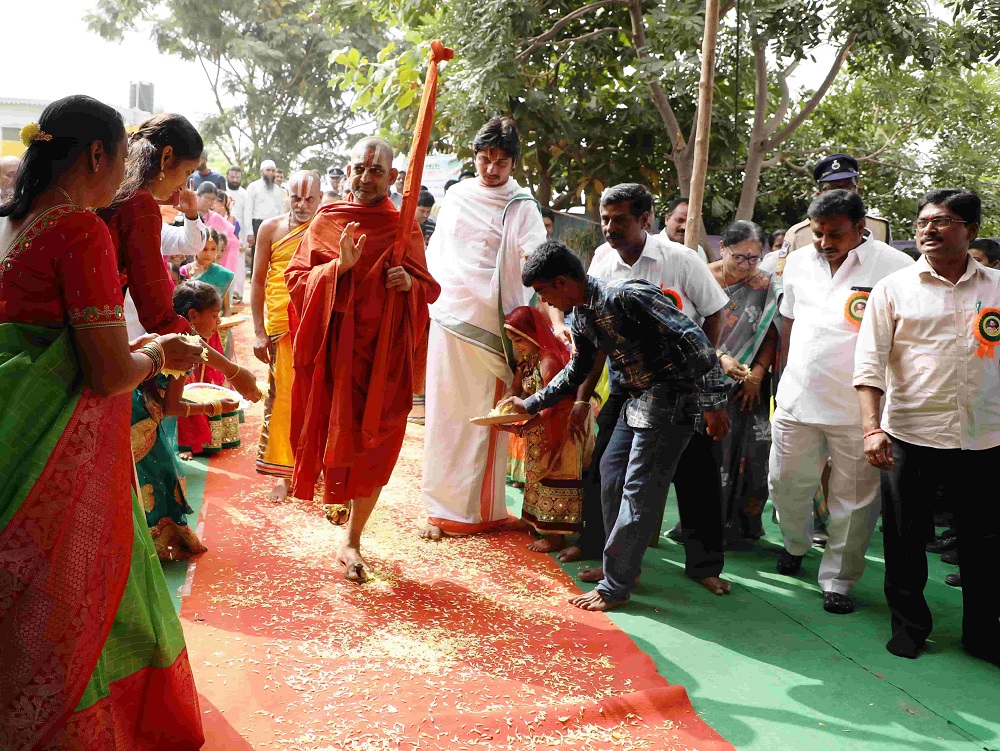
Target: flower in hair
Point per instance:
(31, 132)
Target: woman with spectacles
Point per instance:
(747, 349)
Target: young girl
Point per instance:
(196, 434)
(553, 461)
(206, 268)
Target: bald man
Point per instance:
(8, 171)
(339, 281)
(276, 243)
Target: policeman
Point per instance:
(835, 172)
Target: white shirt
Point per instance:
(918, 345)
(815, 385)
(239, 210)
(182, 241)
(670, 266)
(263, 203)
(700, 251)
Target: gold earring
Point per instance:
(161, 175)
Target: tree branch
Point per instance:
(589, 35)
(760, 86)
(660, 100)
(540, 40)
(817, 96)
(779, 114)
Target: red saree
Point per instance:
(91, 657)
(335, 318)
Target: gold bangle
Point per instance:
(581, 402)
(187, 410)
(238, 369)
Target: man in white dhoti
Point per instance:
(486, 229)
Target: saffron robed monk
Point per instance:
(338, 282)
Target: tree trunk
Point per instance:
(756, 152)
(544, 192)
(694, 229)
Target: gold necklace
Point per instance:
(65, 195)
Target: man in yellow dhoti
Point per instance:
(276, 243)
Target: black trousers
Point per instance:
(594, 535)
(909, 491)
(699, 498)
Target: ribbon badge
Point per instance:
(987, 331)
(854, 311)
(674, 297)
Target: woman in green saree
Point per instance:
(747, 349)
(93, 654)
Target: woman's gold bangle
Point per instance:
(238, 369)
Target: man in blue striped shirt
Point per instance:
(671, 373)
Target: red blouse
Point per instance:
(62, 269)
(135, 231)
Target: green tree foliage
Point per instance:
(267, 62)
(605, 92)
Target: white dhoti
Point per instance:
(464, 464)
(476, 254)
(799, 453)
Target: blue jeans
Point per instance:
(637, 468)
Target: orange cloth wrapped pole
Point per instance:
(407, 211)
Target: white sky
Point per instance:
(48, 52)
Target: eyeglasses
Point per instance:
(939, 222)
(741, 259)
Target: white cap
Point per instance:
(267, 164)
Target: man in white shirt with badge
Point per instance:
(817, 415)
(633, 253)
(929, 343)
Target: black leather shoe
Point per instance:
(942, 545)
(834, 602)
(950, 557)
(789, 564)
(953, 580)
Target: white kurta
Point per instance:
(482, 238)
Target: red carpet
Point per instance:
(465, 643)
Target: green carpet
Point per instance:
(768, 668)
(176, 571)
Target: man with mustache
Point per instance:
(265, 199)
(631, 252)
(817, 414)
(928, 342)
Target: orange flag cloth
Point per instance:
(335, 319)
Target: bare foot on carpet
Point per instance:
(280, 490)
(431, 532)
(570, 554)
(594, 601)
(715, 585)
(547, 544)
(186, 455)
(595, 575)
(355, 567)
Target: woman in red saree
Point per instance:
(162, 154)
(553, 461)
(92, 652)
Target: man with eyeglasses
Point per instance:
(928, 343)
(817, 416)
(835, 172)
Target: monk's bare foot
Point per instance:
(186, 455)
(715, 585)
(338, 513)
(570, 554)
(431, 532)
(355, 567)
(591, 575)
(548, 544)
(280, 490)
(594, 601)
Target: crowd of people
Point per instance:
(818, 367)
